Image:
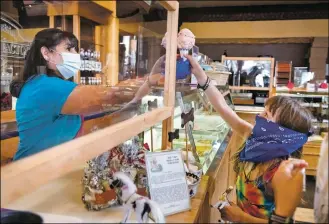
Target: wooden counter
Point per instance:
(63, 197)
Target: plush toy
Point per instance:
(132, 201)
(185, 42)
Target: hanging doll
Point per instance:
(185, 42)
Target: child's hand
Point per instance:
(197, 70)
(287, 185)
(220, 205)
(231, 212)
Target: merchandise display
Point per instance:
(128, 158)
(209, 129)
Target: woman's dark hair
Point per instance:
(35, 64)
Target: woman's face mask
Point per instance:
(70, 64)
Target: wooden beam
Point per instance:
(109, 5)
(64, 23)
(64, 8)
(292, 40)
(86, 9)
(250, 29)
(51, 21)
(94, 12)
(100, 47)
(38, 169)
(170, 5)
(76, 32)
(112, 48)
(170, 73)
(272, 89)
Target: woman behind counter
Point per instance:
(49, 106)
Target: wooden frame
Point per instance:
(270, 89)
(39, 169)
(170, 70)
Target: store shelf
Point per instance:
(315, 105)
(249, 109)
(301, 95)
(299, 91)
(249, 88)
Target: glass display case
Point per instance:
(210, 133)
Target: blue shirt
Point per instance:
(38, 114)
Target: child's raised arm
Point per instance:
(239, 125)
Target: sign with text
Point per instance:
(167, 181)
(16, 50)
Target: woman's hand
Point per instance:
(232, 213)
(287, 185)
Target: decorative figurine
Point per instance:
(223, 200)
(185, 42)
(143, 206)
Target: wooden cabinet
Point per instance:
(311, 153)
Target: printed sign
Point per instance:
(15, 50)
(167, 181)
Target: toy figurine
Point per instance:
(185, 42)
(143, 206)
(223, 200)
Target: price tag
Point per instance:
(167, 181)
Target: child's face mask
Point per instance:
(269, 140)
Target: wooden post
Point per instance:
(76, 32)
(170, 80)
(272, 92)
(112, 48)
(51, 21)
(99, 47)
(64, 23)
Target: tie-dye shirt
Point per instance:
(255, 197)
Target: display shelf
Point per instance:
(209, 130)
(302, 95)
(62, 197)
(299, 90)
(249, 88)
(249, 109)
